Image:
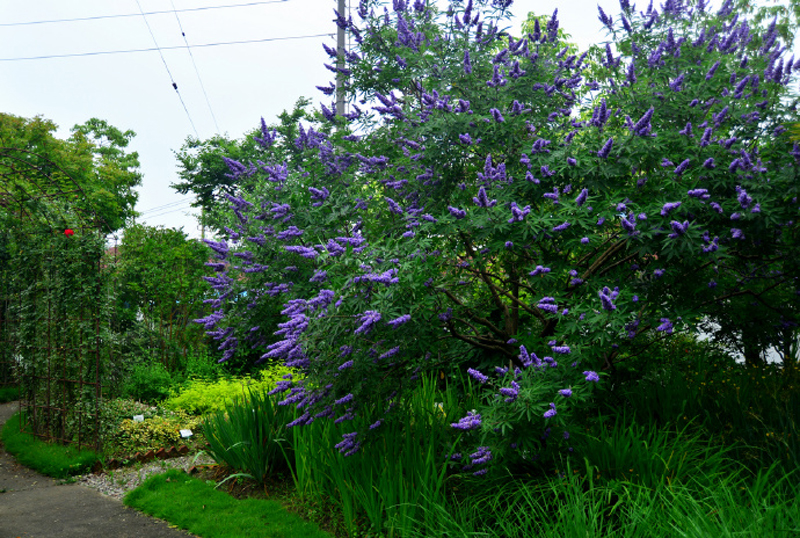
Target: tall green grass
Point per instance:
(249, 436)
(713, 495)
(623, 450)
(755, 408)
(398, 479)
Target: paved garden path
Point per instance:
(36, 506)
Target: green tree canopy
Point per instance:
(89, 171)
(205, 171)
(159, 275)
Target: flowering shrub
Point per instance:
(545, 208)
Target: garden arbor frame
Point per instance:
(52, 299)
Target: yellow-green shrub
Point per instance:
(199, 397)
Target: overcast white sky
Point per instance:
(134, 91)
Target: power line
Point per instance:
(154, 49)
(189, 49)
(98, 17)
(174, 85)
(165, 206)
(148, 217)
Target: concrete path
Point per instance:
(36, 506)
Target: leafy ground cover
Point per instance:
(50, 459)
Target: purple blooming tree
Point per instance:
(497, 194)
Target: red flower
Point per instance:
(68, 232)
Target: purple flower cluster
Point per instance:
(591, 376)
(665, 326)
(548, 304)
(511, 392)
(607, 297)
(470, 422)
(368, 320)
(606, 149)
(518, 214)
(482, 200)
(539, 270)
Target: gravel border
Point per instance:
(120, 481)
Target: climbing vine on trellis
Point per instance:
(55, 316)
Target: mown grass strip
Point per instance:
(193, 505)
(50, 459)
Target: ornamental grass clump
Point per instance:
(249, 435)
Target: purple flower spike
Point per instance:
(457, 213)
(681, 168)
(518, 214)
(581, 199)
(477, 375)
(669, 207)
(482, 200)
(343, 399)
(606, 299)
(642, 127)
(566, 393)
(628, 223)
(711, 71)
(395, 323)
(550, 413)
(666, 326)
(606, 149)
(368, 320)
(511, 392)
(394, 207)
(548, 304)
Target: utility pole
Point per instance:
(340, 78)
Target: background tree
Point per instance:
(95, 173)
(159, 291)
(204, 171)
